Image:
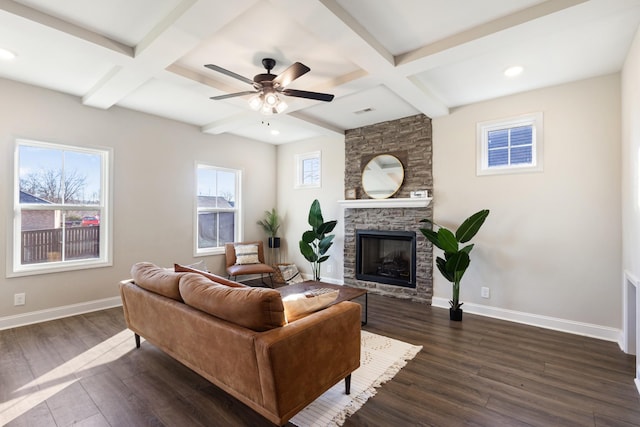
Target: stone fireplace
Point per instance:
(409, 139)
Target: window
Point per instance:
(510, 146)
(217, 209)
(308, 170)
(61, 208)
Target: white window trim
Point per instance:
(300, 158)
(239, 229)
(482, 157)
(14, 268)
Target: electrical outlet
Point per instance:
(19, 299)
(329, 268)
(484, 292)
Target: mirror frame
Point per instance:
(394, 188)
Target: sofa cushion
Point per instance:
(259, 309)
(213, 277)
(247, 254)
(157, 279)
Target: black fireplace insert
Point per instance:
(385, 256)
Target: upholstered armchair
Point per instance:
(245, 258)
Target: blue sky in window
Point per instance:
(34, 159)
(213, 182)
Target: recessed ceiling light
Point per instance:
(513, 71)
(275, 132)
(7, 55)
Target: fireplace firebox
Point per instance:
(386, 257)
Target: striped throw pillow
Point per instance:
(247, 254)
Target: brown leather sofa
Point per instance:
(237, 337)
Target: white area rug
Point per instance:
(381, 358)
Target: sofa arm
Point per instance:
(303, 359)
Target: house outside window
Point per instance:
(510, 145)
(61, 208)
(218, 209)
(308, 170)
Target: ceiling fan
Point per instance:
(268, 86)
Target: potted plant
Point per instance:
(271, 224)
(456, 258)
(316, 242)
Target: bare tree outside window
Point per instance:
(49, 185)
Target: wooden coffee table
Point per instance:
(347, 293)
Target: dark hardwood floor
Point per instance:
(85, 370)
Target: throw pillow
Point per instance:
(299, 305)
(290, 273)
(247, 254)
(213, 277)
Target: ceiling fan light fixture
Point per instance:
(268, 87)
(271, 99)
(267, 104)
(255, 102)
(267, 110)
(281, 106)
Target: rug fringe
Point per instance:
(371, 391)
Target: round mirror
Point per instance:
(382, 177)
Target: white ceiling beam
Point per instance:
(162, 26)
(315, 124)
(357, 44)
(421, 59)
(173, 37)
(65, 27)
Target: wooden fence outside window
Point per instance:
(46, 245)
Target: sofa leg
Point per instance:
(347, 384)
(137, 340)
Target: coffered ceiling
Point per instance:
(383, 59)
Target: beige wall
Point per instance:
(551, 245)
(294, 204)
(631, 160)
(153, 188)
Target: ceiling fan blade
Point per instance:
(290, 74)
(229, 73)
(309, 95)
(233, 95)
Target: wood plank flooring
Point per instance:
(85, 370)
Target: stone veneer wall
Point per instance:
(410, 137)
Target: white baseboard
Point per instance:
(563, 325)
(9, 322)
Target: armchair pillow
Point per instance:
(247, 254)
